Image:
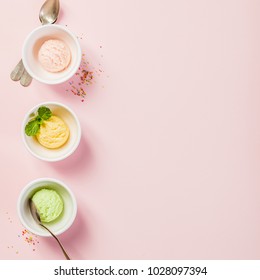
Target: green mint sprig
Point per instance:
(33, 126)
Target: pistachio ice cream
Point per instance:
(49, 204)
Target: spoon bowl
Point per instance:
(49, 11)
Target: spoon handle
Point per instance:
(17, 73)
(26, 79)
(62, 248)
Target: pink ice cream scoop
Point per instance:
(54, 55)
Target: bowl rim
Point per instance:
(78, 59)
(74, 147)
(29, 186)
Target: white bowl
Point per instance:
(69, 117)
(31, 48)
(57, 226)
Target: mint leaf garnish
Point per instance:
(44, 113)
(39, 120)
(32, 128)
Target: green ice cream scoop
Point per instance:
(49, 204)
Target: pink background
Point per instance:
(168, 166)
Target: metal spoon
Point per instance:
(49, 11)
(37, 218)
(17, 73)
(26, 79)
(48, 15)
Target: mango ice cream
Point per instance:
(53, 133)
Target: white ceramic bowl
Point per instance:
(69, 117)
(67, 216)
(31, 48)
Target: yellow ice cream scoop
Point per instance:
(53, 133)
(49, 204)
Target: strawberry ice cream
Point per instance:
(54, 55)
